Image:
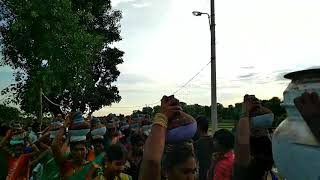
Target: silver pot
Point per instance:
(295, 149)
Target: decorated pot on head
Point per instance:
(111, 125)
(125, 127)
(295, 149)
(98, 130)
(17, 141)
(261, 118)
(79, 128)
(182, 127)
(54, 128)
(19, 134)
(112, 128)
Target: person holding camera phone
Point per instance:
(253, 148)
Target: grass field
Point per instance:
(225, 124)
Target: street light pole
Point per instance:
(212, 23)
(214, 113)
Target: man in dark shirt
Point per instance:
(203, 147)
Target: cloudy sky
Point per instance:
(165, 45)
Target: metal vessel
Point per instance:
(295, 149)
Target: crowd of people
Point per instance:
(177, 148)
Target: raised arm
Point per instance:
(154, 146)
(6, 138)
(42, 140)
(57, 145)
(242, 141)
(41, 155)
(35, 149)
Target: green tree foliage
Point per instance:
(156, 109)
(232, 112)
(274, 104)
(8, 114)
(136, 113)
(62, 46)
(147, 110)
(122, 118)
(196, 110)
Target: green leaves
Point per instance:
(8, 114)
(72, 36)
(34, 14)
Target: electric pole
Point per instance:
(214, 113)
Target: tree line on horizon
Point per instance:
(225, 114)
(229, 114)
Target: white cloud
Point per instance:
(140, 5)
(115, 3)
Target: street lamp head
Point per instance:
(197, 13)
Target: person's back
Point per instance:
(203, 148)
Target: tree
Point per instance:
(147, 111)
(196, 110)
(274, 104)
(122, 117)
(207, 111)
(237, 109)
(156, 109)
(99, 19)
(8, 114)
(64, 48)
(220, 111)
(183, 105)
(231, 113)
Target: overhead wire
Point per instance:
(175, 92)
(59, 105)
(192, 78)
(150, 104)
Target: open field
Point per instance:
(225, 124)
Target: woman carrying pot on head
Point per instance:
(17, 160)
(253, 148)
(76, 165)
(45, 166)
(167, 152)
(98, 130)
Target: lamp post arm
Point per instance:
(209, 18)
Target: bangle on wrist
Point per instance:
(160, 119)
